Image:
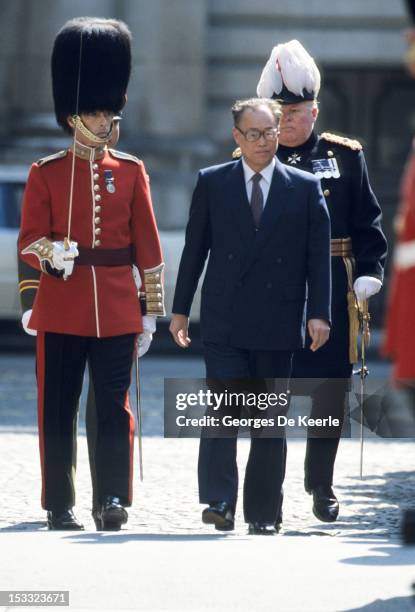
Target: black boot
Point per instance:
(63, 521)
(219, 514)
(111, 515)
(325, 503)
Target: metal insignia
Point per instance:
(294, 158)
(109, 181)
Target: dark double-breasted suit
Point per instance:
(253, 297)
(254, 289)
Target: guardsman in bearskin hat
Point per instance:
(87, 219)
(358, 249)
(29, 279)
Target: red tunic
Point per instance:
(399, 342)
(95, 300)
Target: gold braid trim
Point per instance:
(28, 284)
(154, 291)
(355, 145)
(353, 310)
(42, 249)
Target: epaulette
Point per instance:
(49, 158)
(236, 153)
(122, 155)
(342, 140)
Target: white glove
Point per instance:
(145, 338)
(25, 321)
(63, 259)
(137, 278)
(366, 286)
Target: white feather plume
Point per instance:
(292, 65)
(271, 80)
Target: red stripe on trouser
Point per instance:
(127, 408)
(40, 376)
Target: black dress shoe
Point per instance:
(63, 521)
(221, 515)
(257, 528)
(111, 515)
(325, 504)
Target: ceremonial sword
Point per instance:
(139, 415)
(364, 318)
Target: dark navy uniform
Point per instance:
(354, 213)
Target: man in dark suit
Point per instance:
(266, 230)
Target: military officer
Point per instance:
(358, 248)
(87, 218)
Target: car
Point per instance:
(12, 184)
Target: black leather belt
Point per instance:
(104, 257)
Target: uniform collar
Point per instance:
(89, 153)
(302, 148)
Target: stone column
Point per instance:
(167, 88)
(165, 114)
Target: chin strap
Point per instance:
(79, 126)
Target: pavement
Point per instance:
(166, 559)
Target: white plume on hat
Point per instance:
(291, 65)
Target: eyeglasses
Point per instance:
(252, 134)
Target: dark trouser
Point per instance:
(61, 360)
(322, 443)
(265, 470)
(91, 437)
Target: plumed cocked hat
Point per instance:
(93, 55)
(290, 75)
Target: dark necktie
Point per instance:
(257, 199)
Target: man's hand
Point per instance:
(63, 259)
(319, 331)
(366, 286)
(145, 338)
(143, 342)
(25, 322)
(179, 326)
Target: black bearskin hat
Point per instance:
(410, 4)
(98, 52)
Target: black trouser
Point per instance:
(331, 361)
(91, 437)
(322, 443)
(61, 360)
(265, 470)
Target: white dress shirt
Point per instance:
(265, 182)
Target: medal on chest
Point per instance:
(325, 168)
(109, 181)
